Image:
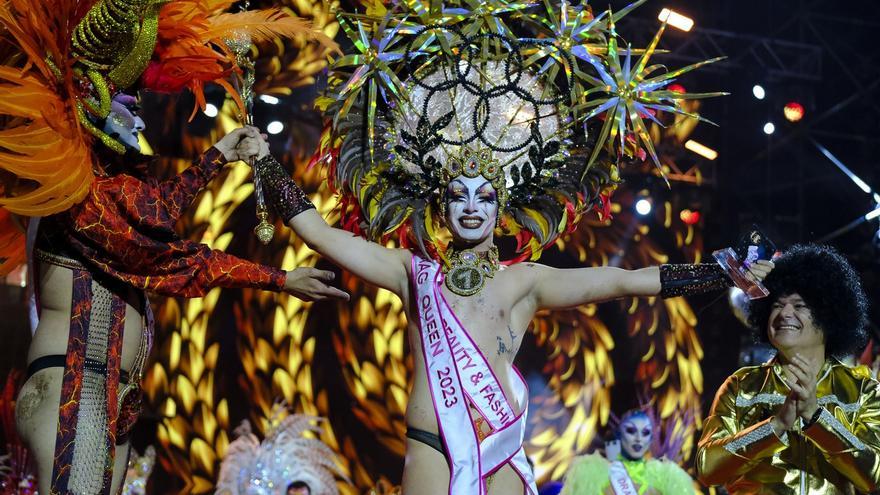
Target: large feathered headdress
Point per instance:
(538, 98)
(78, 53)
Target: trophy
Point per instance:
(752, 246)
(240, 44)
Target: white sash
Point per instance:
(620, 480)
(459, 374)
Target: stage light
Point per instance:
(211, 110)
(689, 217)
(675, 19)
(678, 88)
(269, 99)
(643, 206)
(701, 149)
(769, 128)
(274, 127)
(758, 91)
(793, 111)
(874, 214)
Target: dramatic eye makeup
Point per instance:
(122, 119)
(456, 190)
(487, 193)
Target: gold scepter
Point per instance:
(240, 44)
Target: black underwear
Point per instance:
(59, 360)
(427, 438)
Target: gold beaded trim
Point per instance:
(118, 37)
(98, 133)
(102, 89)
(57, 260)
(132, 66)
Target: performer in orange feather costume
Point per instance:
(69, 153)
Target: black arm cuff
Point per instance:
(282, 193)
(690, 279)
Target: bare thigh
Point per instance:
(426, 472)
(36, 419)
(505, 481)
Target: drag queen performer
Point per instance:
(465, 116)
(107, 232)
(624, 469)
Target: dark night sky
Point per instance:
(782, 182)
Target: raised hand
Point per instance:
(759, 270)
(245, 143)
(612, 450)
(804, 387)
(786, 415)
(310, 284)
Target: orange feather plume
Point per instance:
(12, 243)
(264, 25)
(42, 145)
(191, 49)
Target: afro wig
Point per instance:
(830, 288)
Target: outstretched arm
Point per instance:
(173, 196)
(564, 288)
(374, 263)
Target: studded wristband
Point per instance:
(282, 193)
(690, 279)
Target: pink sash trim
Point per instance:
(458, 375)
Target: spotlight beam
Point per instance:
(846, 228)
(859, 182)
(843, 168)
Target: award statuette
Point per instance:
(753, 246)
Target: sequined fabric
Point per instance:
(81, 307)
(836, 455)
(691, 279)
(125, 229)
(286, 198)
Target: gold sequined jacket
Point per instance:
(838, 454)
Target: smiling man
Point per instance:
(803, 423)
